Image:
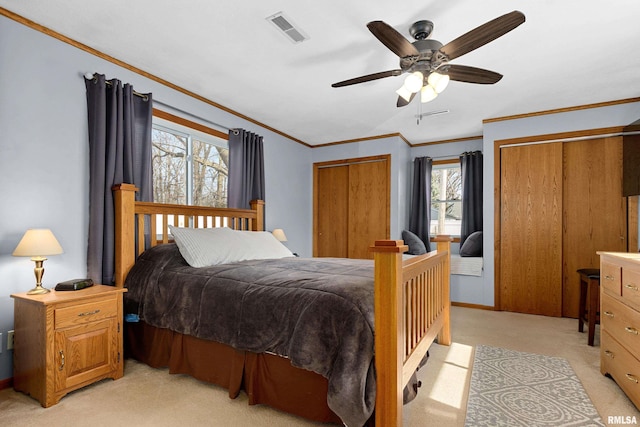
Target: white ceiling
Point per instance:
(567, 53)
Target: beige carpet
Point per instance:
(150, 397)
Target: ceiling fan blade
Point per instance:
(403, 102)
(392, 39)
(463, 73)
(483, 34)
(368, 78)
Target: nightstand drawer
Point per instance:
(85, 313)
(621, 365)
(621, 322)
(631, 287)
(610, 277)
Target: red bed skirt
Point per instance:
(266, 378)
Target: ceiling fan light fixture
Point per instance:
(428, 93)
(438, 81)
(404, 93)
(414, 82)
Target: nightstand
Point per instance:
(66, 340)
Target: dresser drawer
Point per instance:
(631, 287)
(621, 322)
(85, 313)
(610, 277)
(621, 365)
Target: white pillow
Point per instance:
(202, 247)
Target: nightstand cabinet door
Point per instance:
(85, 352)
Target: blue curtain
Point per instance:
(246, 169)
(119, 151)
(471, 170)
(420, 215)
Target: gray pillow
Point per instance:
(472, 246)
(416, 245)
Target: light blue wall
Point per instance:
(44, 159)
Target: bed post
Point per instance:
(444, 244)
(258, 206)
(387, 255)
(124, 196)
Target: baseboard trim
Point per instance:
(6, 383)
(478, 306)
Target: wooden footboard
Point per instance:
(412, 308)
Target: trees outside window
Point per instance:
(189, 166)
(446, 199)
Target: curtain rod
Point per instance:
(235, 130)
(90, 76)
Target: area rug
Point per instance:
(511, 388)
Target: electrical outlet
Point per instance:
(10, 340)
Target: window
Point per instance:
(190, 162)
(446, 198)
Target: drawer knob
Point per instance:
(631, 377)
(61, 360)
(632, 287)
(608, 314)
(631, 330)
(608, 277)
(89, 313)
(610, 354)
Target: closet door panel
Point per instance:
(332, 211)
(531, 229)
(368, 206)
(593, 208)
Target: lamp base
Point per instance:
(38, 290)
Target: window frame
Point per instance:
(191, 130)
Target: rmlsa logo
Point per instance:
(620, 419)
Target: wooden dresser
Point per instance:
(66, 340)
(620, 320)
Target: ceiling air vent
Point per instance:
(287, 27)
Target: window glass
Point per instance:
(446, 199)
(169, 155)
(189, 166)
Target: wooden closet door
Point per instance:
(368, 206)
(332, 212)
(595, 213)
(351, 206)
(531, 229)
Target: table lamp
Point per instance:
(36, 243)
(278, 233)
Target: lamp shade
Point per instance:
(278, 233)
(428, 93)
(404, 93)
(414, 81)
(438, 81)
(38, 242)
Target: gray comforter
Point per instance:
(317, 312)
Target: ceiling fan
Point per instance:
(427, 60)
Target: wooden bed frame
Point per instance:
(412, 304)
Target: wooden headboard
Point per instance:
(139, 225)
